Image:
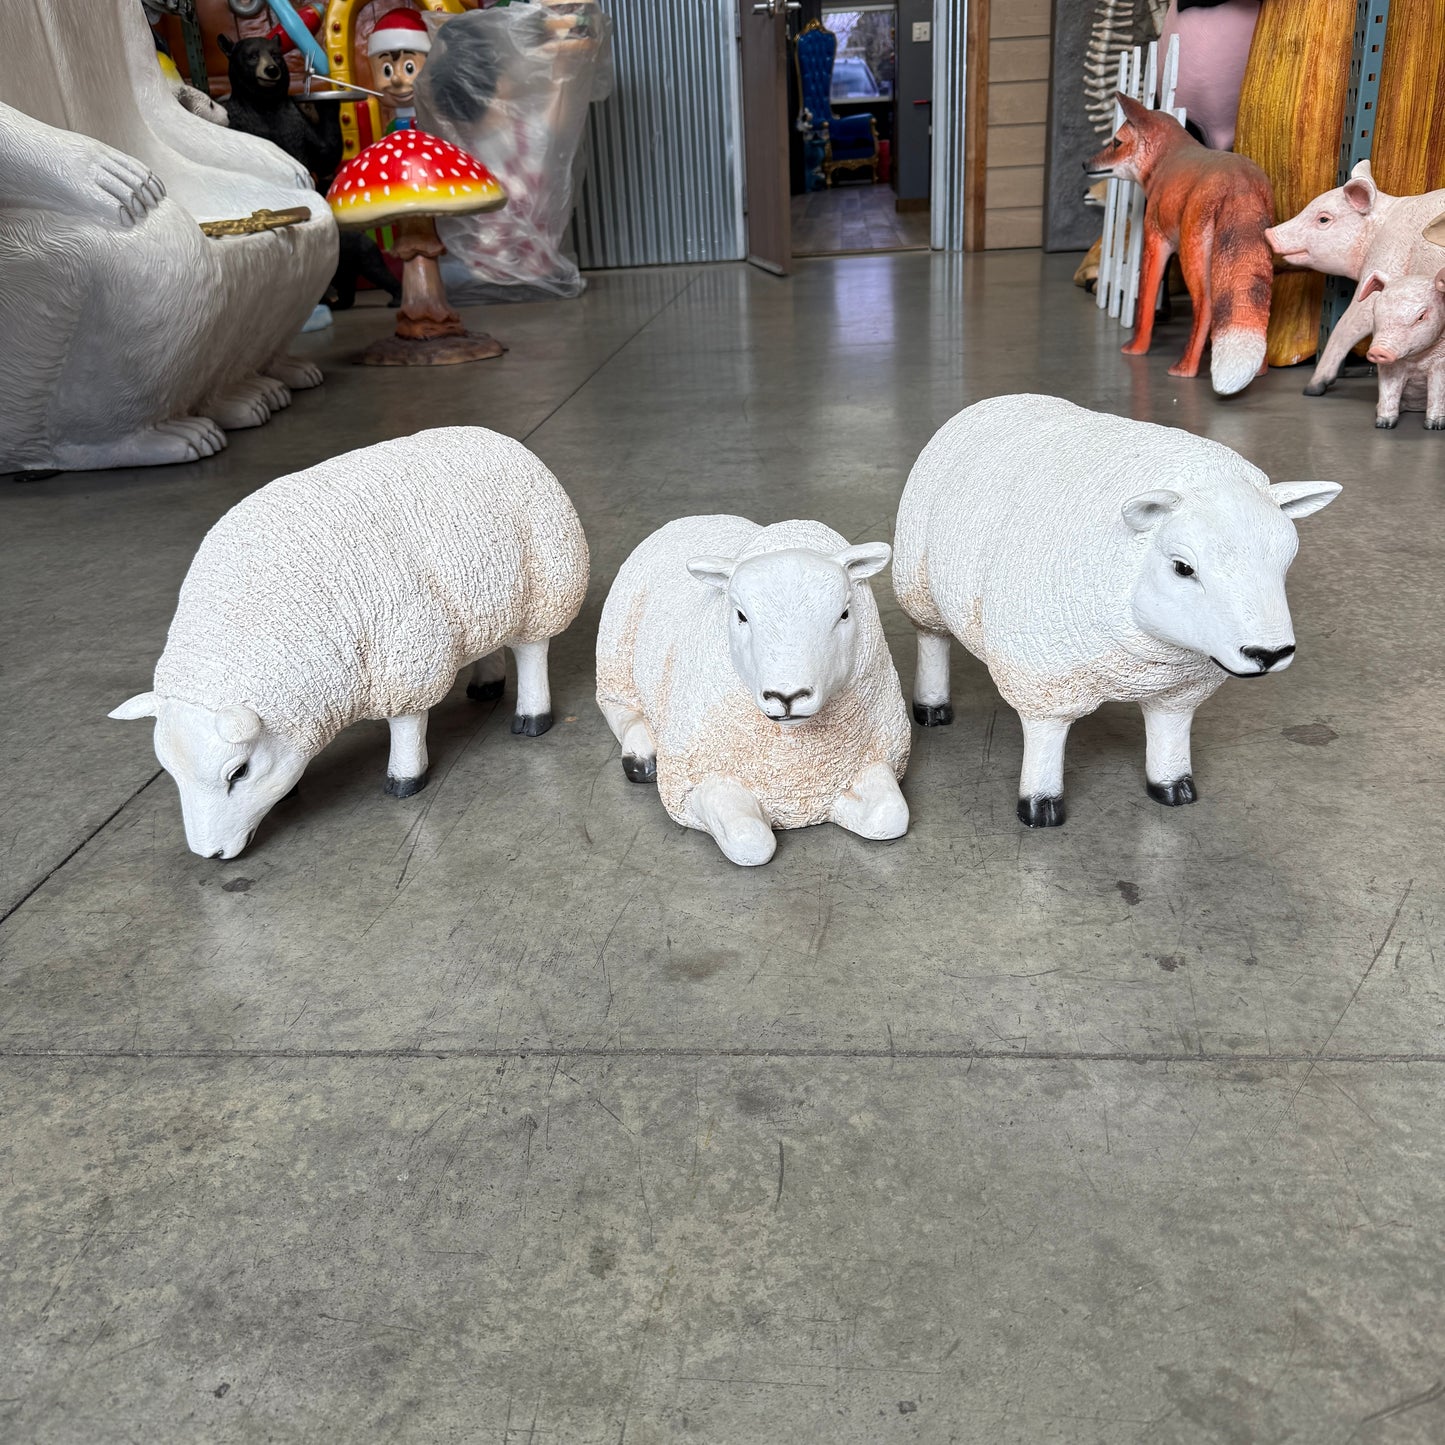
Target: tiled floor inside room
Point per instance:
(855, 217)
(511, 1112)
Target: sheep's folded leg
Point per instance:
(874, 807)
(489, 677)
(406, 768)
(534, 695)
(639, 750)
(1166, 756)
(931, 707)
(1041, 788)
(734, 817)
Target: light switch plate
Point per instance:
(923, 30)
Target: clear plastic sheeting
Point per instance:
(511, 86)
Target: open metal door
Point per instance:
(763, 33)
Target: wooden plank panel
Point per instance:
(1018, 102)
(1017, 145)
(1015, 186)
(1021, 17)
(975, 126)
(1020, 59)
(1015, 226)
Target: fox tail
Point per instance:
(1241, 274)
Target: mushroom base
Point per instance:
(432, 351)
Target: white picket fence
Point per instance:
(1118, 285)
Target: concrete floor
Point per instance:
(512, 1113)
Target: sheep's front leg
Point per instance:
(406, 768)
(534, 695)
(1391, 391)
(931, 707)
(1166, 756)
(489, 677)
(639, 750)
(735, 819)
(874, 807)
(1041, 788)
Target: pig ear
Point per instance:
(1144, 512)
(1435, 231)
(1362, 171)
(1374, 283)
(1440, 279)
(1302, 499)
(1360, 193)
(713, 571)
(236, 723)
(865, 560)
(143, 704)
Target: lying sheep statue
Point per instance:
(357, 589)
(759, 692)
(1084, 558)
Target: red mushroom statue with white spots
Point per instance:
(404, 181)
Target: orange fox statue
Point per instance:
(1212, 207)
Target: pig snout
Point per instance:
(1381, 353)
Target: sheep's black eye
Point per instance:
(1183, 568)
(741, 618)
(844, 617)
(237, 776)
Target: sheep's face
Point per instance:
(792, 628)
(1211, 579)
(229, 767)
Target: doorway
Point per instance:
(859, 171)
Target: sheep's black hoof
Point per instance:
(1386, 423)
(927, 715)
(532, 726)
(639, 770)
(1174, 794)
(1041, 812)
(486, 691)
(404, 787)
(1317, 388)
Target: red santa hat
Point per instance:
(399, 30)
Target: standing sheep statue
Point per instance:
(758, 692)
(357, 589)
(1085, 558)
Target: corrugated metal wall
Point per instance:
(663, 181)
(950, 30)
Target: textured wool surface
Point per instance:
(358, 588)
(1010, 536)
(662, 650)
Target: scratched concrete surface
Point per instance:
(512, 1113)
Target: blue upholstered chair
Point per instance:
(850, 142)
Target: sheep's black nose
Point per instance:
(789, 698)
(1265, 657)
(219, 853)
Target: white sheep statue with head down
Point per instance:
(357, 589)
(744, 669)
(1086, 557)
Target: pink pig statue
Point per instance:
(1408, 317)
(1351, 231)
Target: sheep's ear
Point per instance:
(143, 704)
(713, 571)
(236, 723)
(1360, 193)
(1302, 499)
(865, 560)
(1435, 231)
(225, 44)
(1372, 285)
(1144, 512)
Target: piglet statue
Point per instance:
(1351, 231)
(1409, 345)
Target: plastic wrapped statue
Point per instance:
(511, 86)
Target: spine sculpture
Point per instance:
(1212, 207)
(1351, 231)
(357, 589)
(1084, 558)
(744, 669)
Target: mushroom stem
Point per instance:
(425, 312)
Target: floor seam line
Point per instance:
(611, 356)
(89, 837)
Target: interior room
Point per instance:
(620, 829)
